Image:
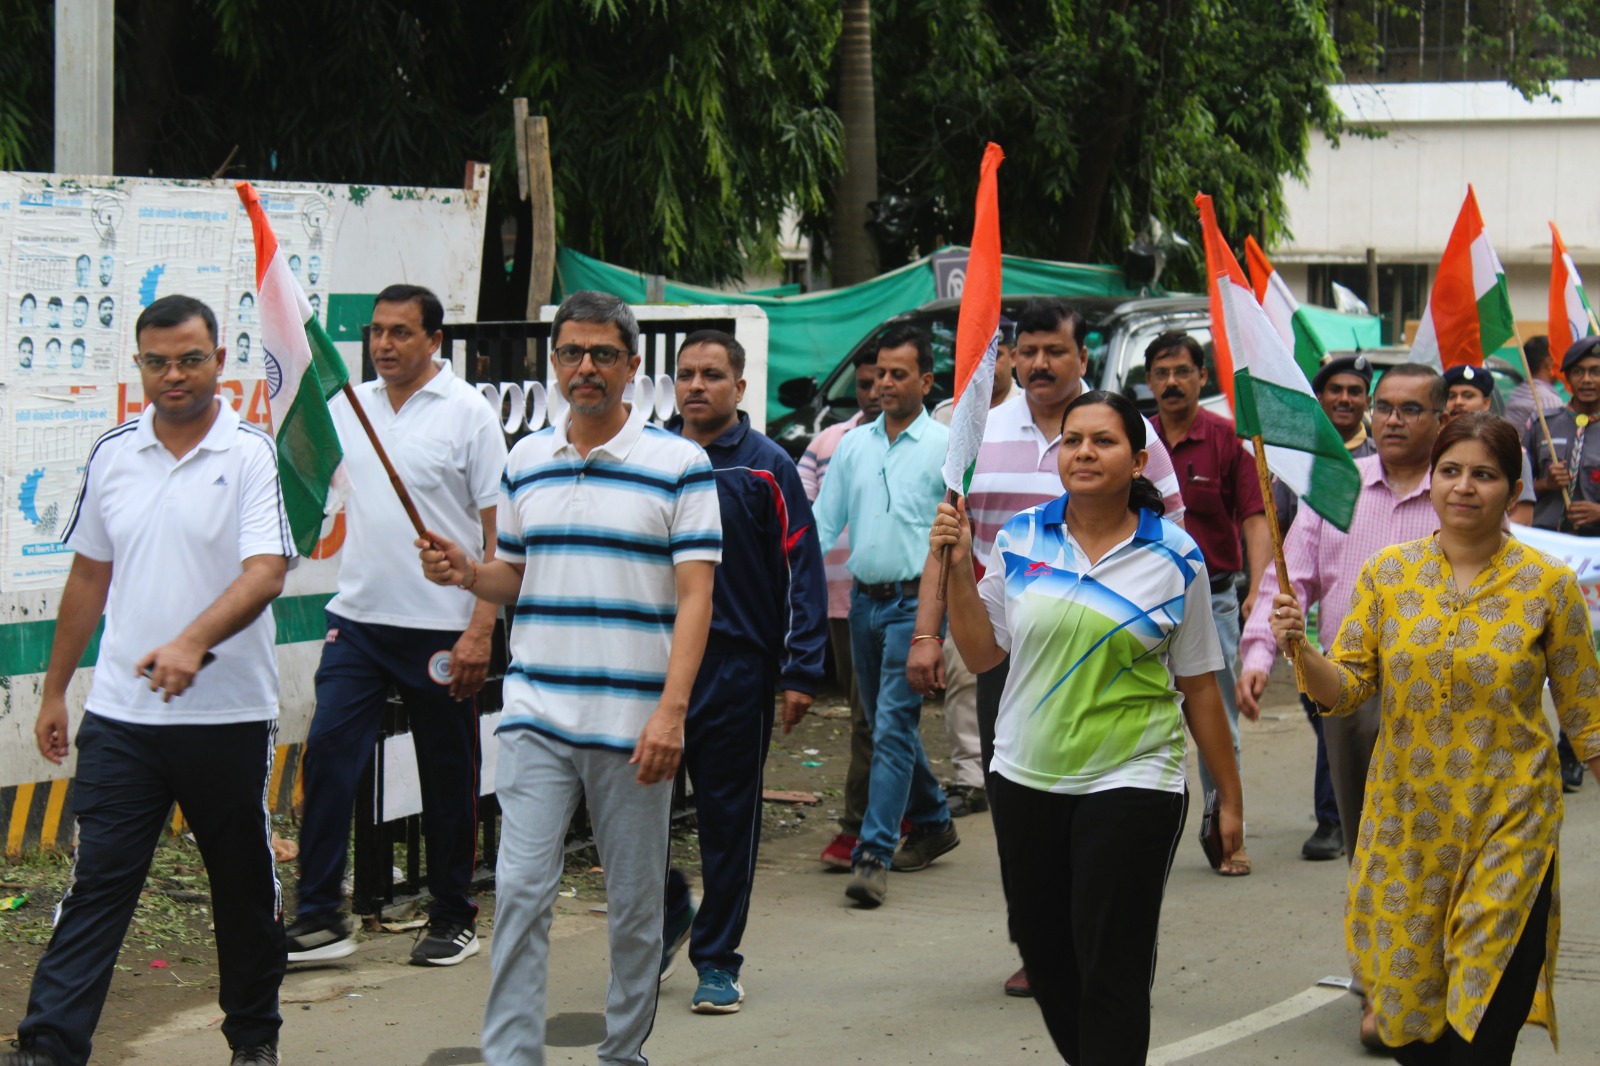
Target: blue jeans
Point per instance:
(1225, 612)
(902, 783)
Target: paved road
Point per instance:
(918, 981)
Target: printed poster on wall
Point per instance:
(181, 241)
(50, 430)
(304, 223)
(65, 289)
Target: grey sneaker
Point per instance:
(28, 1056)
(925, 844)
(319, 938)
(255, 1055)
(869, 882)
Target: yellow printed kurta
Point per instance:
(1463, 797)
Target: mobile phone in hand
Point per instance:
(205, 660)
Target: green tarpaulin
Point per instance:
(810, 333)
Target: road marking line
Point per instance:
(1293, 1007)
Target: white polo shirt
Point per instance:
(599, 537)
(175, 532)
(449, 450)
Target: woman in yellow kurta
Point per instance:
(1453, 912)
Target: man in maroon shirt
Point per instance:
(1221, 500)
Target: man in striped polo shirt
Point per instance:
(182, 540)
(1017, 470)
(609, 534)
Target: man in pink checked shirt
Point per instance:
(813, 468)
(1393, 507)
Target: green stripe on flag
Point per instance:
(1496, 325)
(1308, 347)
(308, 454)
(1291, 418)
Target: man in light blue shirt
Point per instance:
(884, 482)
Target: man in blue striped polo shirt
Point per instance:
(609, 535)
(885, 483)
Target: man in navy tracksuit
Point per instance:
(769, 624)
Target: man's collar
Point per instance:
(218, 438)
(1191, 433)
(1377, 474)
(618, 446)
(1359, 439)
(914, 430)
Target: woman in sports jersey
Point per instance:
(1105, 610)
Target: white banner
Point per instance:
(1580, 553)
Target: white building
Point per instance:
(1395, 196)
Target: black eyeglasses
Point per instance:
(158, 364)
(599, 355)
(1408, 412)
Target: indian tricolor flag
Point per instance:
(1469, 309)
(977, 330)
(1570, 316)
(1283, 310)
(303, 371)
(1272, 401)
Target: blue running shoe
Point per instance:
(674, 937)
(719, 993)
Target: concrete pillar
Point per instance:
(85, 56)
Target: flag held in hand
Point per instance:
(977, 330)
(1469, 309)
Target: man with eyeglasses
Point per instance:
(390, 629)
(609, 537)
(1393, 507)
(1566, 467)
(1221, 502)
(182, 541)
(885, 483)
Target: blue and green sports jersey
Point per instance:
(1089, 704)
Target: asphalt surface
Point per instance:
(919, 979)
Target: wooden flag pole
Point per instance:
(1265, 476)
(1538, 407)
(944, 553)
(388, 467)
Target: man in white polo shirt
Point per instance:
(389, 629)
(610, 532)
(182, 541)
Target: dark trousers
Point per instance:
(991, 683)
(127, 780)
(360, 664)
(858, 778)
(1085, 877)
(1323, 802)
(1496, 1039)
(1350, 739)
(726, 737)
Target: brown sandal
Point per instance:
(1235, 865)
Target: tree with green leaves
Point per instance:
(1112, 113)
(680, 129)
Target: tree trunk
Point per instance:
(855, 255)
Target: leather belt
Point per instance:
(1223, 582)
(889, 590)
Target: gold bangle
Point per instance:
(927, 636)
(467, 585)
